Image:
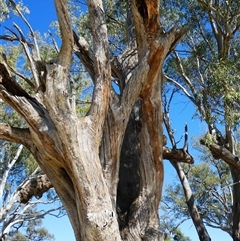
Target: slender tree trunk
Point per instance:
(236, 204)
(192, 208)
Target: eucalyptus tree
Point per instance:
(81, 155)
(206, 71)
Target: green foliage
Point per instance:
(209, 139)
(6, 9)
(223, 88)
(171, 231)
(210, 65)
(4, 6)
(179, 236)
(33, 232)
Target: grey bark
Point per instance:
(67, 147)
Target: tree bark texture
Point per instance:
(91, 183)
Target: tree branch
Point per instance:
(30, 58)
(17, 73)
(181, 87)
(147, 24)
(102, 66)
(223, 153)
(9, 166)
(10, 84)
(65, 54)
(85, 54)
(35, 46)
(177, 155)
(14, 134)
(177, 36)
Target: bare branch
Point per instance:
(9, 83)
(65, 55)
(169, 129)
(54, 42)
(102, 65)
(185, 147)
(177, 155)
(14, 134)
(17, 73)
(185, 77)
(8, 168)
(9, 37)
(35, 46)
(85, 54)
(25, 46)
(190, 200)
(181, 87)
(177, 35)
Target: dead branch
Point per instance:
(177, 155)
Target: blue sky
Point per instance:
(42, 13)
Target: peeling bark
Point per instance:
(92, 185)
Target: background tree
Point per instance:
(205, 69)
(189, 199)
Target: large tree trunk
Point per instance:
(67, 147)
(140, 186)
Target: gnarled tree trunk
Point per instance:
(66, 147)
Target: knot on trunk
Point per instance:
(34, 187)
